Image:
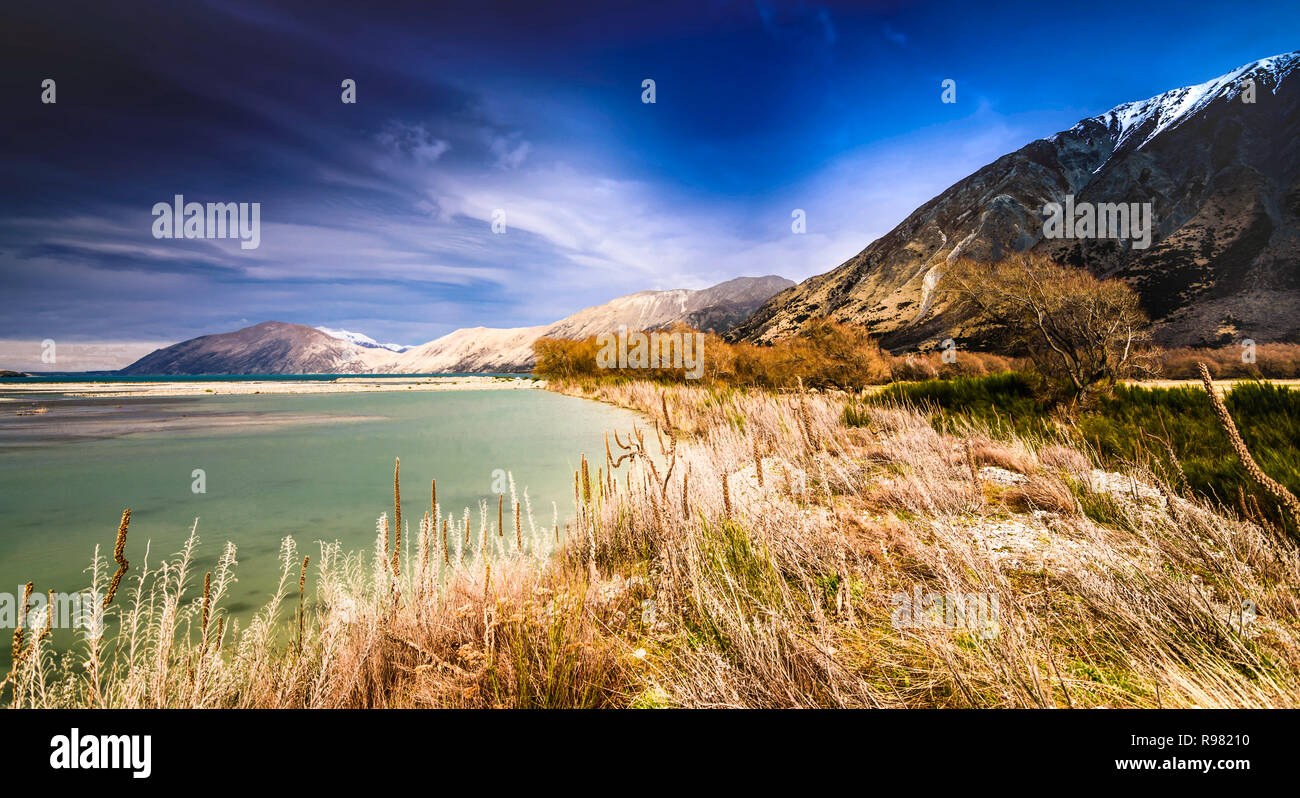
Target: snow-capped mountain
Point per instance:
(361, 339)
(1221, 176)
(271, 347)
(1143, 120)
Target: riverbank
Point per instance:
(754, 550)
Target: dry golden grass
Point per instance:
(748, 551)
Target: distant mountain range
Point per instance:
(278, 348)
(1223, 179)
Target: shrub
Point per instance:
(1272, 361)
(825, 355)
(1082, 333)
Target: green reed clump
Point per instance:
(1009, 401)
(1173, 428)
(1123, 425)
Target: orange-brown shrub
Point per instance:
(931, 365)
(1272, 361)
(825, 355)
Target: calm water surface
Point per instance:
(313, 467)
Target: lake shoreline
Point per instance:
(257, 469)
(29, 392)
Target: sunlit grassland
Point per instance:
(749, 551)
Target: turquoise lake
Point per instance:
(316, 467)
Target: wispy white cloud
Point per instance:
(412, 141)
(510, 151)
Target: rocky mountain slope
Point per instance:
(1223, 179)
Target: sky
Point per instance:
(377, 216)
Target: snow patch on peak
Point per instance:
(361, 339)
(1172, 108)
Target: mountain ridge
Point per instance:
(1223, 178)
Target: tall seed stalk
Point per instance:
(1279, 491)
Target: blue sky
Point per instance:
(376, 216)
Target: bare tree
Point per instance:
(1079, 331)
